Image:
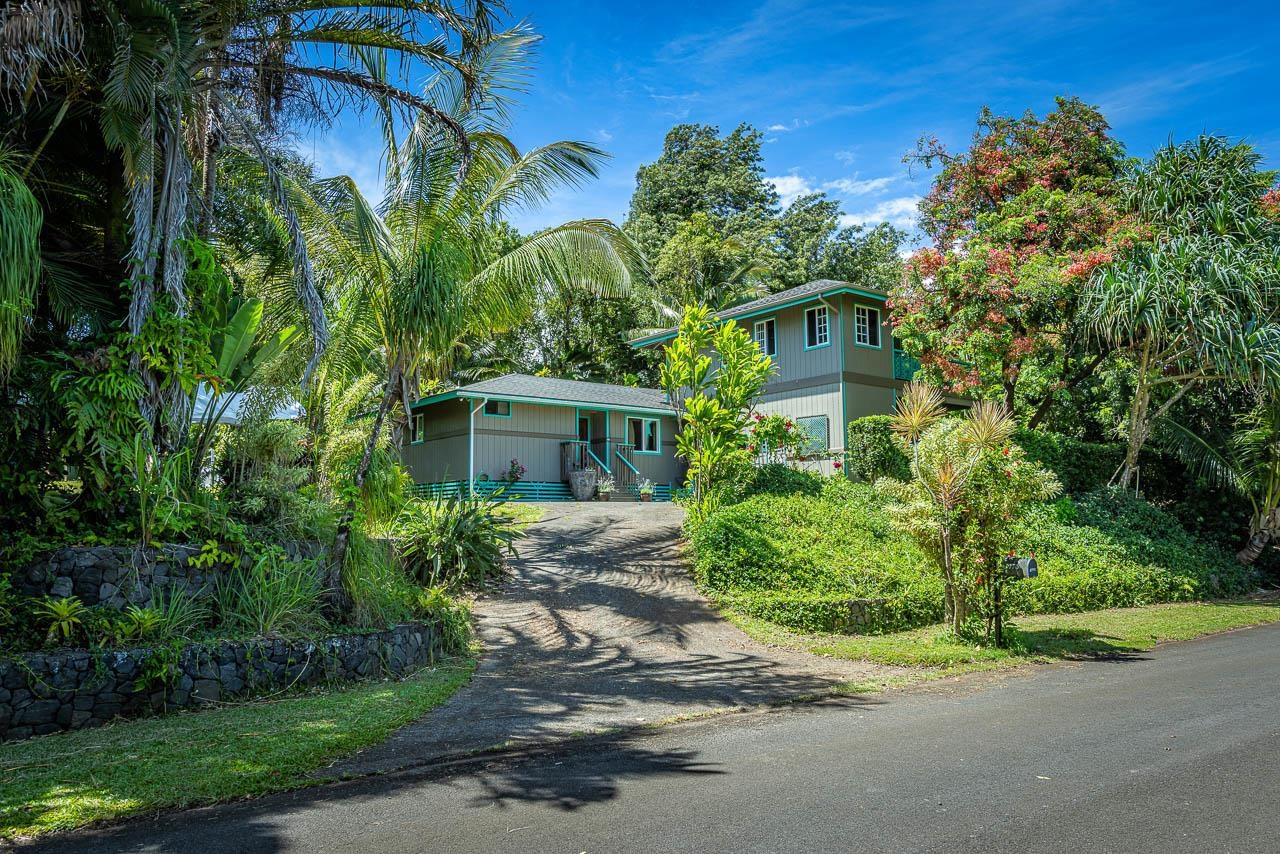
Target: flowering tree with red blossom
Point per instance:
(1016, 224)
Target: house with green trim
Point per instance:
(549, 427)
(835, 360)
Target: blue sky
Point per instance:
(843, 90)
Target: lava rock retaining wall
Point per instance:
(47, 692)
(119, 576)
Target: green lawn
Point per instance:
(71, 779)
(521, 511)
(1038, 638)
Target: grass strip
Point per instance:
(189, 758)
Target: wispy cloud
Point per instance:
(901, 212)
(1158, 93)
(603, 135)
(790, 187)
(858, 187)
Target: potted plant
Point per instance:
(604, 487)
(646, 490)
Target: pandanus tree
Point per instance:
(118, 112)
(1194, 299)
(418, 277)
(1248, 465)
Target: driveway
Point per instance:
(600, 627)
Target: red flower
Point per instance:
(839, 465)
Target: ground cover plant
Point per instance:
(798, 560)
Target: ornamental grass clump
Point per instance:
(969, 487)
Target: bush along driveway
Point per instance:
(600, 627)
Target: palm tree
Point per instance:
(417, 277)
(1195, 302)
(122, 108)
(1249, 466)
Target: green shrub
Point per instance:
(453, 616)
(381, 593)
(780, 479)
(798, 560)
(872, 453)
(1080, 466)
(271, 596)
(455, 540)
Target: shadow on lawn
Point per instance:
(1069, 643)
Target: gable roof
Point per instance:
(808, 292)
(549, 390)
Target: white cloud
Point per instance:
(790, 187)
(796, 124)
(604, 135)
(847, 156)
(856, 187)
(901, 212)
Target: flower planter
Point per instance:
(646, 496)
(603, 496)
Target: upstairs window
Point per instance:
(417, 428)
(866, 326)
(817, 332)
(765, 335)
(499, 408)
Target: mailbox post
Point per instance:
(1014, 569)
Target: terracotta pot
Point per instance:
(646, 496)
(604, 496)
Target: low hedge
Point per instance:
(799, 560)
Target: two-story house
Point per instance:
(834, 361)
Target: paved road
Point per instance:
(1172, 752)
(599, 627)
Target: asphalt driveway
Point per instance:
(600, 627)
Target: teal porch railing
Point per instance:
(524, 490)
(904, 366)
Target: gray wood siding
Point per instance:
(533, 434)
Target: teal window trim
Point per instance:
(487, 414)
(417, 427)
(639, 343)
(764, 320)
(879, 332)
(657, 434)
(826, 315)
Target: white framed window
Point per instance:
(817, 434)
(764, 333)
(417, 428)
(866, 326)
(817, 329)
(497, 408)
(645, 435)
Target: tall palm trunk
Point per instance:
(337, 602)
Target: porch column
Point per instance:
(471, 449)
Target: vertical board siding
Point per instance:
(532, 435)
(803, 403)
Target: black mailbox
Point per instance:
(1020, 567)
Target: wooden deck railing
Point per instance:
(577, 456)
(626, 475)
